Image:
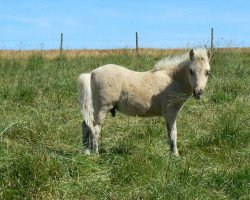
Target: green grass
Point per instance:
(40, 142)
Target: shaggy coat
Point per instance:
(159, 92)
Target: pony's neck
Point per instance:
(180, 73)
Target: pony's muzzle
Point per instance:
(197, 94)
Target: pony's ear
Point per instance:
(191, 54)
(209, 54)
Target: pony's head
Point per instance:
(199, 70)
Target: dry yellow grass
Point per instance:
(52, 54)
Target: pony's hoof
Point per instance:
(96, 154)
(174, 154)
(86, 152)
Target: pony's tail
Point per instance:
(85, 98)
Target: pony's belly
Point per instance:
(144, 109)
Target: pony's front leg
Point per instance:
(170, 118)
(172, 137)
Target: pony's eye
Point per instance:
(191, 71)
(207, 73)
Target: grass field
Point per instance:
(40, 133)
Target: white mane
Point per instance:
(175, 60)
(170, 61)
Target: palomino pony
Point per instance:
(159, 92)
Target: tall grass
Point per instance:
(40, 133)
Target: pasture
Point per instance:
(40, 133)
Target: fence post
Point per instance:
(136, 44)
(61, 44)
(212, 39)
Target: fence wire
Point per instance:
(109, 43)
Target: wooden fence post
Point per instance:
(212, 39)
(61, 44)
(136, 44)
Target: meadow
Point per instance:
(40, 132)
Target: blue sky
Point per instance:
(89, 24)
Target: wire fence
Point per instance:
(122, 43)
(102, 44)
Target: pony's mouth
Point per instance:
(197, 96)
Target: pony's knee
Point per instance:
(100, 117)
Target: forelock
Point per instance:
(200, 54)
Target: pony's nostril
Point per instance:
(197, 94)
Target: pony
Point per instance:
(161, 91)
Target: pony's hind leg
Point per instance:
(95, 135)
(86, 137)
(90, 138)
(94, 139)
